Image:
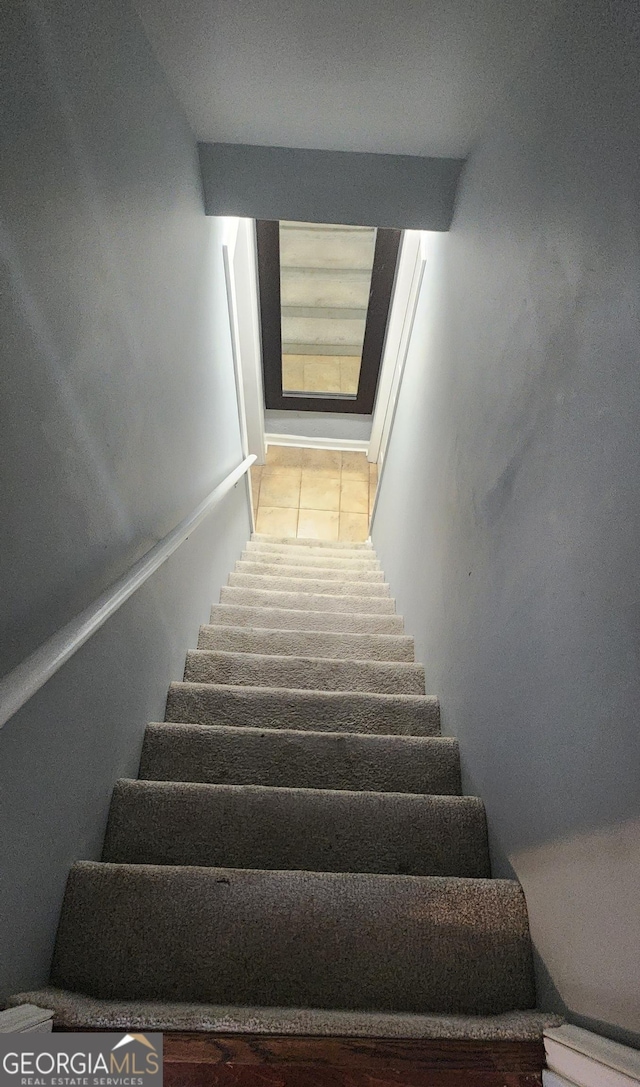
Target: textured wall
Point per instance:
(118, 416)
(509, 515)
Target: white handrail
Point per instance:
(19, 685)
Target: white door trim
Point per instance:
(411, 264)
(241, 276)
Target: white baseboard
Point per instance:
(589, 1060)
(349, 445)
(25, 1018)
(552, 1079)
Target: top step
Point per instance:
(362, 557)
(307, 541)
(310, 557)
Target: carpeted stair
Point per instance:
(296, 857)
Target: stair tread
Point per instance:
(76, 1011)
(307, 601)
(330, 644)
(315, 573)
(297, 792)
(307, 673)
(322, 830)
(298, 694)
(310, 541)
(398, 939)
(321, 552)
(273, 707)
(323, 760)
(333, 587)
(301, 559)
(282, 618)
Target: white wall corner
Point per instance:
(241, 275)
(411, 263)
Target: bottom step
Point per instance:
(74, 1011)
(445, 945)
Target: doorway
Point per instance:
(334, 377)
(325, 293)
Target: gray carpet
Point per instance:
(305, 673)
(75, 1011)
(310, 544)
(257, 826)
(297, 550)
(286, 583)
(302, 599)
(307, 939)
(338, 622)
(308, 760)
(345, 572)
(296, 857)
(307, 643)
(302, 558)
(329, 711)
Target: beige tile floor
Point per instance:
(322, 493)
(321, 373)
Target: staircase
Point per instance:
(296, 857)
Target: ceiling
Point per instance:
(417, 77)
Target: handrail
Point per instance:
(19, 685)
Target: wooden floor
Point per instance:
(224, 1060)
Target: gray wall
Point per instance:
(509, 513)
(405, 191)
(319, 424)
(118, 415)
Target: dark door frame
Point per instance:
(385, 261)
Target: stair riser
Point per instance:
(307, 643)
(366, 589)
(291, 619)
(288, 554)
(306, 601)
(295, 541)
(305, 673)
(311, 760)
(308, 711)
(311, 573)
(251, 826)
(320, 562)
(229, 936)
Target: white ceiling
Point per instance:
(416, 77)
